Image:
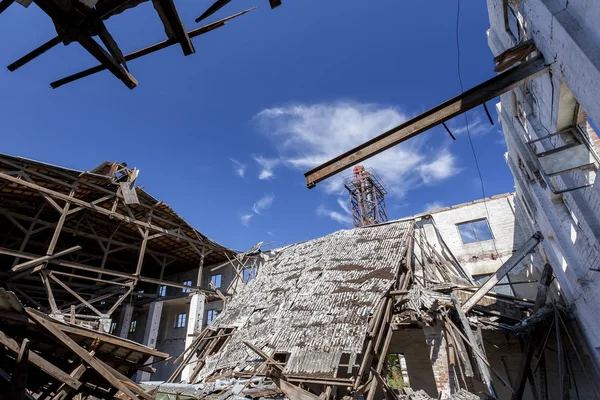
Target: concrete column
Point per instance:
(151, 333)
(438, 354)
(125, 320)
(194, 327)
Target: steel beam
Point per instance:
(429, 119)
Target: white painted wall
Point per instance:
(568, 35)
(485, 257)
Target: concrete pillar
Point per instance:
(151, 333)
(194, 327)
(125, 320)
(438, 354)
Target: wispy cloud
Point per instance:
(238, 167)
(308, 135)
(337, 216)
(441, 168)
(267, 166)
(261, 205)
(246, 219)
(436, 205)
(478, 125)
(264, 203)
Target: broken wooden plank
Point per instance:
(96, 364)
(512, 262)
(449, 109)
(35, 53)
(470, 339)
(4, 4)
(216, 6)
(174, 28)
(40, 260)
(40, 362)
(18, 381)
(62, 19)
(148, 50)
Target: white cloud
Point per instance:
(308, 135)
(343, 203)
(441, 168)
(267, 165)
(238, 167)
(436, 205)
(246, 219)
(478, 125)
(263, 203)
(342, 218)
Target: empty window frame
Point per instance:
(162, 292)
(211, 315)
(181, 320)
(475, 231)
(216, 280)
(186, 283)
(249, 274)
(132, 326)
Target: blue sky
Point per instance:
(224, 135)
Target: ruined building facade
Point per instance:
(548, 123)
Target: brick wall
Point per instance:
(568, 36)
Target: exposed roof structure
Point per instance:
(93, 226)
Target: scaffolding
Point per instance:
(367, 197)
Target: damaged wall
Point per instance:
(483, 257)
(568, 35)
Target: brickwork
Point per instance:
(438, 354)
(567, 35)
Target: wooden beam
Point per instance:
(96, 364)
(40, 363)
(97, 208)
(18, 381)
(148, 50)
(4, 4)
(429, 119)
(512, 262)
(38, 261)
(216, 6)
(35, 53)
(62, 19)
(529, 347)
(77, 296)
(174, 28)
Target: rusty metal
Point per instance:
(367, 199)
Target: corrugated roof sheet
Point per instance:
(313, 300)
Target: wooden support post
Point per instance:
(75, 294)
(18, 382)
(472, 341)
(529, 347)
(458, 105)
(512, 262)
(51, 300)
